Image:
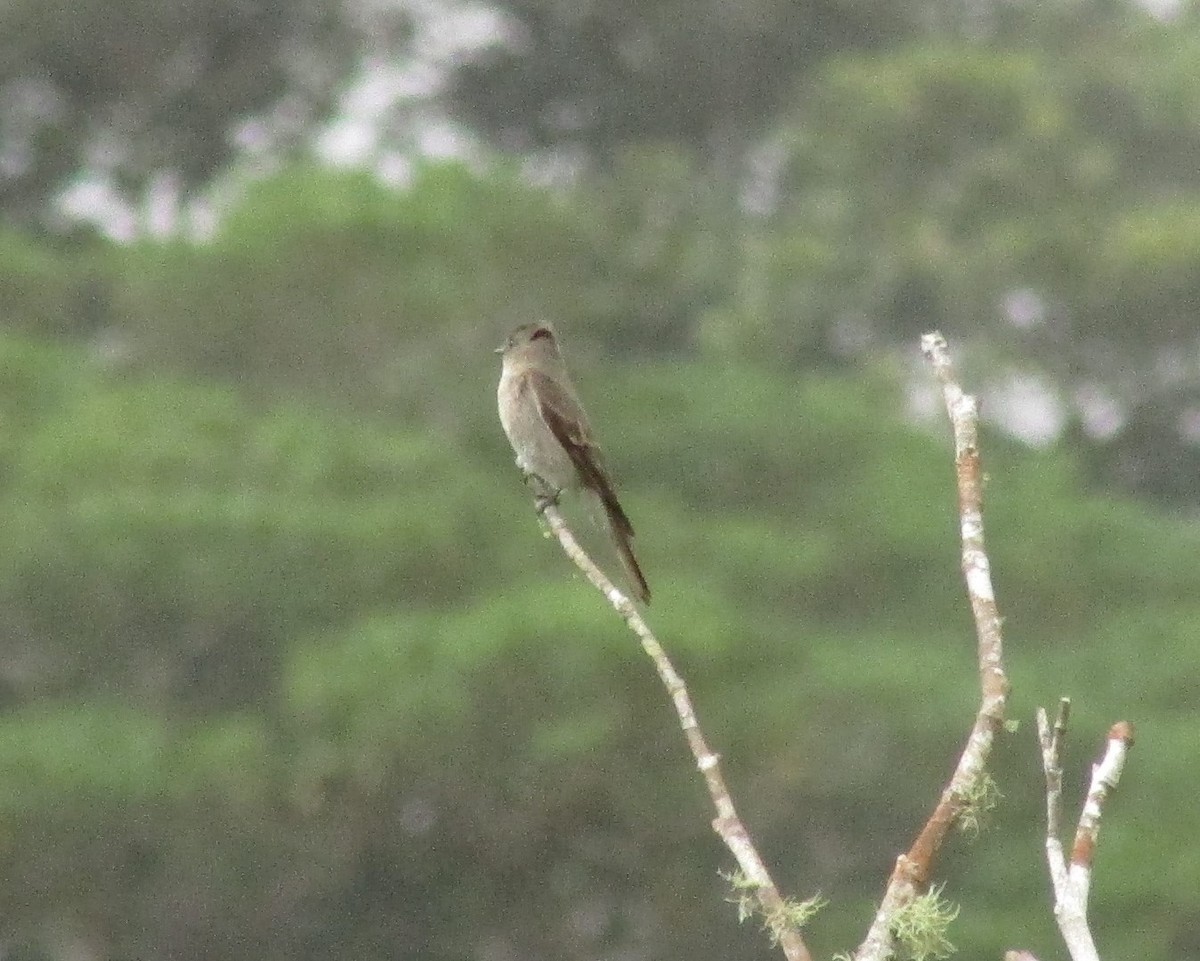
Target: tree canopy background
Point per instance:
(287, 670)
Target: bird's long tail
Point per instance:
(622, 535)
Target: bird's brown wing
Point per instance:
(567, 422)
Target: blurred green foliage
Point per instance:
(279, 680)
(288, 671)
(944, 180)
(131, 92)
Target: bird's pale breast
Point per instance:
(538, 450)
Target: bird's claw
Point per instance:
(545, 494)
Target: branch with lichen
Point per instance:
(753, 887)
(912, 919)
(970, 781)
(1072, 881)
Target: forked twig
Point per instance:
(913, 870)
(1072, 881)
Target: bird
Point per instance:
(545, 422)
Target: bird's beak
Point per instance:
(499, 350)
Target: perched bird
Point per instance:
(550, 434)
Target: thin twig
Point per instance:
(727, 823)
(1072, 881)
(913, 870)
(1051, 741)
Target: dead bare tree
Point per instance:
(911, 913)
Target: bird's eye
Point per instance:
(540, 333)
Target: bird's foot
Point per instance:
(545, 494)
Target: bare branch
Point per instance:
(1072, 881)
(778, 913)
(913, 870)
